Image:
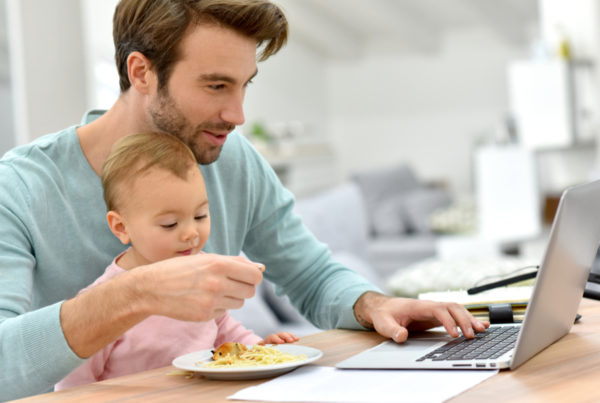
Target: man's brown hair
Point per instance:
(135, 154)
(156, 27)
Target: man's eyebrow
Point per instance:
(222, 77)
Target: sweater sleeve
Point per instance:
(88, 372)
(92, 370)
(35, 354)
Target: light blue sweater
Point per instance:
(54, 241)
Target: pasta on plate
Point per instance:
(230, 355)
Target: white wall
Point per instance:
(7, 137)
(102, 79)
(578, 21)
(291, 86)
(46, 63)
(425, 110)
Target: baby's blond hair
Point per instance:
(137, 153)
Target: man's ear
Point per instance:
(117, 226)
(141, 76)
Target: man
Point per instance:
(184, 67)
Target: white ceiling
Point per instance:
(348, 28)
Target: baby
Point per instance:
(157, 202)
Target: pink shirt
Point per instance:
(154, 343)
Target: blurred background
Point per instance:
(361, 84)
(493, 102)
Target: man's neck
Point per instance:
(98, 137)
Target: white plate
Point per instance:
(194, 361)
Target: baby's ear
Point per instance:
(117, 226)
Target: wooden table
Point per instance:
(567, 371)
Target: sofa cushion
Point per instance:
(379, 187)
(337, 217)
(409, 211)
(420, 204)
(389, 219)
(387, 255)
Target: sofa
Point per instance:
(375, 223)
(397, 207)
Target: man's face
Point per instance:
(203, 99)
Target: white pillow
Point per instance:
(420, 204)
(388, 219)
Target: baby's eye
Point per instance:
(200, 217)
(169, 226)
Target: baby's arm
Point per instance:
(279, 338)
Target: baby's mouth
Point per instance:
(186, 252)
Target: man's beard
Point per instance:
(167, 117)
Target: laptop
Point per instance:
(558, 290)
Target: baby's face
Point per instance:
(166, 216)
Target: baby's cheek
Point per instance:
(160, 248)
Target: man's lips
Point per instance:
(217, 139)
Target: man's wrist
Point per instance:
(99, 315)
(133, 287)
(364, 306)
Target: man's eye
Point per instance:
(169, 226)
(217, 86)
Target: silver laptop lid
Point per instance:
(570, 252)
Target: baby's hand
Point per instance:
(279, 338)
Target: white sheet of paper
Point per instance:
(327, 384)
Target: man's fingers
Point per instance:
(443, 315)
(462, 319)
(236, 268)
(236, 289)
(229, 303)
(259, 266)
(246, 273)
(459, 315)
(480, 326)
(200, 287)
(388, 327)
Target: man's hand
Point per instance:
(394, 317)
(192, 288)
(197, 288)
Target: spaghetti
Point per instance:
(253, 356)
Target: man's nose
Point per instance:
(233, 112)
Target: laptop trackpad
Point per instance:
(391, 355)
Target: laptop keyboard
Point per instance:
(490, 344)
